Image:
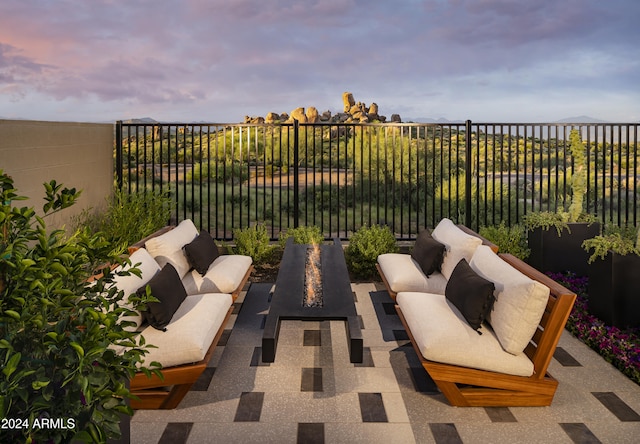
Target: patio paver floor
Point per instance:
(313, 394)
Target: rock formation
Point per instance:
(352, 112)
(312, 115)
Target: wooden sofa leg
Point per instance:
(175, 396)
(452, 392)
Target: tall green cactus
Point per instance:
(578, 176)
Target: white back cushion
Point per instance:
(167, 248)
(460, 245)
(130, 284)
(520, 300)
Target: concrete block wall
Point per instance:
(78, 155)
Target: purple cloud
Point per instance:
(231, 58)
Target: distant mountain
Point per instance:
(581, 119)
(430, 120)
(141, 120)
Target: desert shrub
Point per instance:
(365, 246)
(302, 235)
(511, 240)
(230, 172)
(253, 241)
(128, 217)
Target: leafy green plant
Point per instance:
(302, 235)
(128, 217)
(253, 241)
(547, 220)
(619, 240)
(365, 246)
(65, 351)
(511, 240)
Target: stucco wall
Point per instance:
(78, 155)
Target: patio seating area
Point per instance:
(312, 393)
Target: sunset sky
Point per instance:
(217, 61)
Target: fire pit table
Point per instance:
(301, 293)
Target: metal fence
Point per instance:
(341, 176)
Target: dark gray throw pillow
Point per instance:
(428, 253)
(167, 287)
(201, 252)
(470, 293)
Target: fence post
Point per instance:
(119, 154)
(296, 179)
(467, 175)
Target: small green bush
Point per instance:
(511, 240)
(253, 241)
(302, 235)
(365, 246)
(128, 218)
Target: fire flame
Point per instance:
(313, 279)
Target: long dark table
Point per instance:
(287, 299)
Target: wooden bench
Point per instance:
(154, 392)
(464, 387)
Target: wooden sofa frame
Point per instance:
(166, 393)
(485, 241)
(466, 387)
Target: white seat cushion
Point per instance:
(130, 284)
(190, 332)
(443, 335)
(167, 248)
(404, 274)
(460, 245)
(520, 301)
(223, 276)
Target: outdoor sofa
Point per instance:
(196, 288)
(484, 325)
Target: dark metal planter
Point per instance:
(614, 284)
(550, 252)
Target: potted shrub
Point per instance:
(614, 278)
(66, 352)
(561, 249)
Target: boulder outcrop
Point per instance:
(352, 112)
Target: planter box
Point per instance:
(613, 290)
(550, 252)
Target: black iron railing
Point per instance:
(341, 176)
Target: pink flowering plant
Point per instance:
(619, 347)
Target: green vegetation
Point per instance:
(620, 240)
(253, 241)
(65, 351)
(128, 217)
(512, 240)
(302, 235)
(407, 177)
(365, 246)
(578, 177)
